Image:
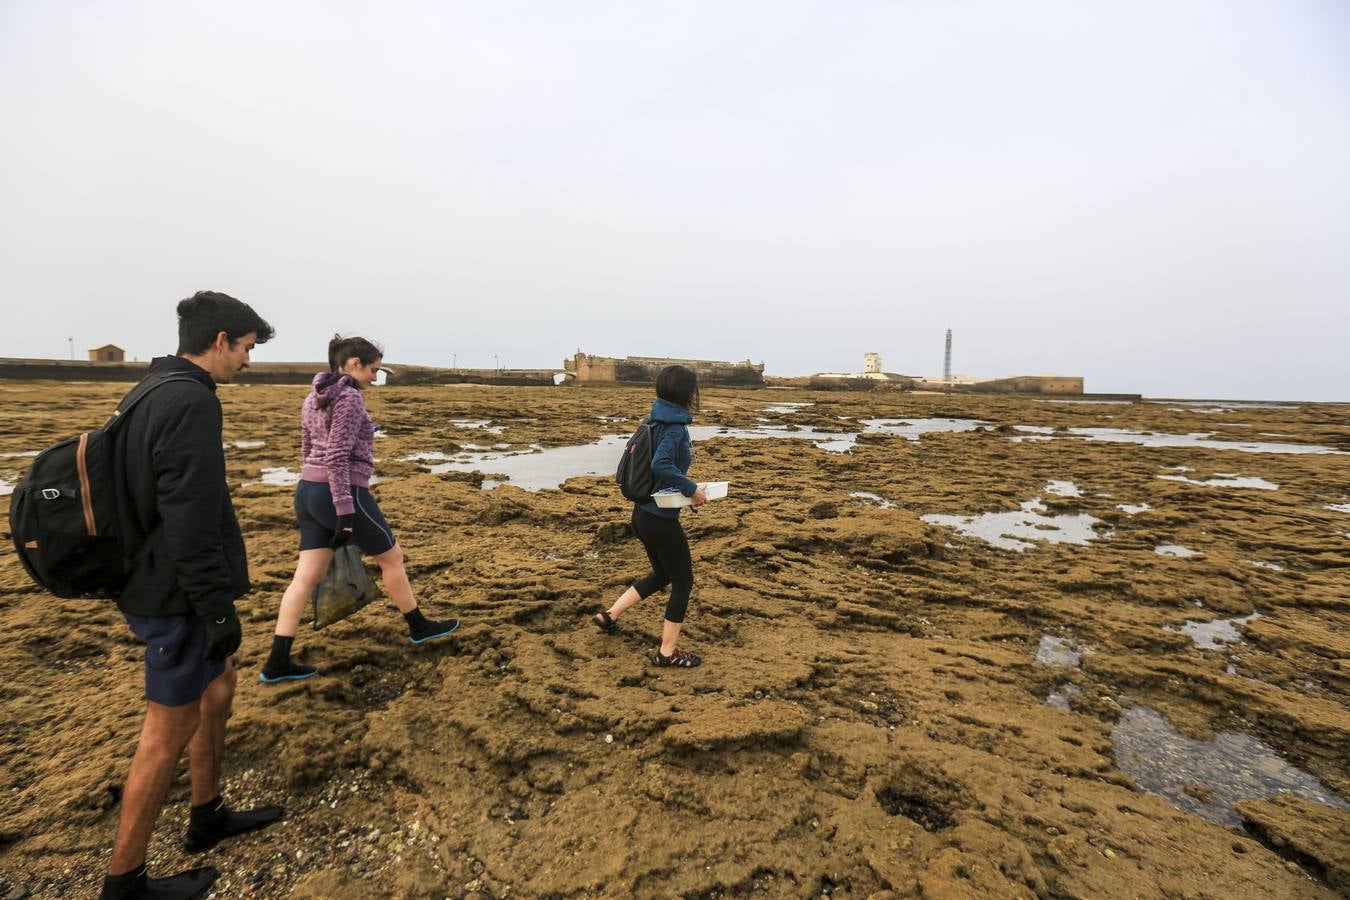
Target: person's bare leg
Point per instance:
(670, 636)
(396, 579)
(626, 599)
(309, 571)
(207, 747)
(166, 731)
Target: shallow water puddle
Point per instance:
(879, 500)
(1195, 439)
(279, 477)
(20, 454)
(1063, 489)
(1090, 402)
(479, 424)
(1133, 509)
(787, 408)
(539, 469)
(1221, 480)
(1339, 507)
(1058, 652)
(1212, 635)
(913, 429)
(1226, 404)
(1175, 550)
(1060, 699)
(1231, 768)
(245, 445)
(1262, 564)
(6, 486)
(535, 470)
(832, 441)
(1016, 530)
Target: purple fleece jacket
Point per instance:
(337, 438)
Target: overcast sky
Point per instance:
(1154, 194)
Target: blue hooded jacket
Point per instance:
(672, 454)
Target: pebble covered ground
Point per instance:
(871, 718)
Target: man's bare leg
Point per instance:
(207, 747)
(166, 731)
(210, 820)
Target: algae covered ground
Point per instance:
(901, 696)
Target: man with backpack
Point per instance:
(174, 514)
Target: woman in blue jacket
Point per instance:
(659, 529)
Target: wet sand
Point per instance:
(871, 715)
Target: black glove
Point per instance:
(223, 634)
(343, 534)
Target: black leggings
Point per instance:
(668, 551)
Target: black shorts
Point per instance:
(175, 672)
(318, 519)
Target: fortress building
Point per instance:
(589, 369)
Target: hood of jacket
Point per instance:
(665, 411)
(328, 386)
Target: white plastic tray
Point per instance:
(714, 490)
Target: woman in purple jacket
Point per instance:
(334, 504)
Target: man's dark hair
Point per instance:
(207, 313)
(678, 385)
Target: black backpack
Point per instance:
(634, 476)
(63, 515)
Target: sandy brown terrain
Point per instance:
(870, 720)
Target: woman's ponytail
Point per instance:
(341, 349)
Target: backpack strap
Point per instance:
(139, 393)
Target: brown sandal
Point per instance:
(680, 659)
(605, 623)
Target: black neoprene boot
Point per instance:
(138, 885)
(213, 821)
(421, 629)
(279, 666)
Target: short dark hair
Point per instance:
(341, 349)
(207, 313)
(678, 385)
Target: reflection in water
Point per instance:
(873, 498)
(1231, 768)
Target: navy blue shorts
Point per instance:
(175, 672)
(318, 519)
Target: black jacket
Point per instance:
(173, 503)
